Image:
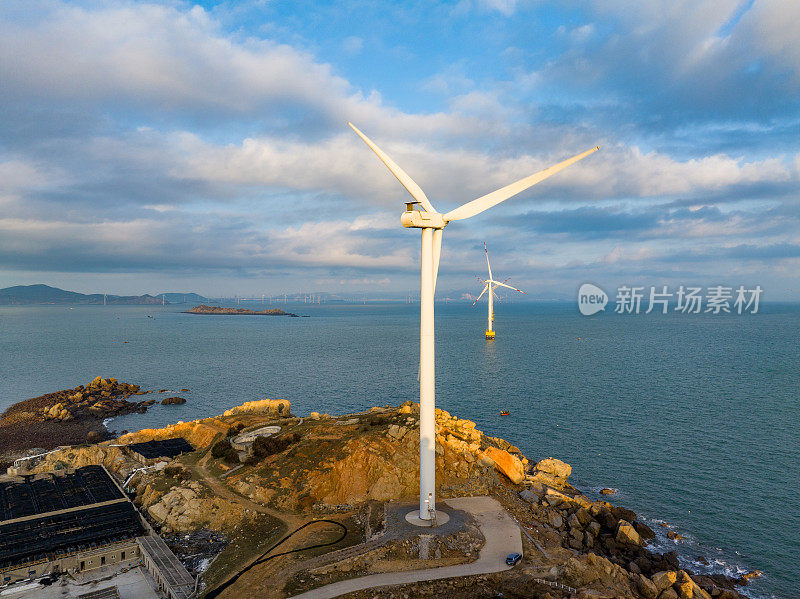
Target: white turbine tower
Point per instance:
(432, 224)
(490, 285)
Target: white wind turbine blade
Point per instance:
(492, 199)
(481, 295)
(489, 266)
(437, 254)
(497, 283)
(409, 183)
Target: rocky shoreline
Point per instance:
(348, 468)
(218, 310)
(67, 417)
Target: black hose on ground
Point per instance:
(212, 594)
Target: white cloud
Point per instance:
(146, 183)
(352, 45)
(344, 164)
(16, 175)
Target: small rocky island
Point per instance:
(203, 309)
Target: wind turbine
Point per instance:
(490, 285)
(432, 224)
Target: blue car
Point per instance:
(513, 559)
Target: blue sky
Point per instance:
(203, 146)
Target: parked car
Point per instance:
(513, 559)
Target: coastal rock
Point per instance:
(113, 458)
(644, 531)
(277, 407)
(173, 401)
(595, 571)
(686, 588)
(627, 535)
(669, 593)
(646, 587)
(555, 467)
(608, 492)
(508, 464)
(396, 431)
(664, 580)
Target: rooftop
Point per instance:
(30, 539)
(165, 448)
(31, 494)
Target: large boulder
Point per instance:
(688, 588)
(554, 467)
(646, 587)
(664, 580)
(508, 464)
(627, 535)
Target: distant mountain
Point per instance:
(21, 295)
(183, 298)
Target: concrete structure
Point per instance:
(244, 441)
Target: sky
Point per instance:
(178, 146)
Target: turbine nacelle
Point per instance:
(416, 219)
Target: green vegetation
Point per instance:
(224, 450)
(263, 447)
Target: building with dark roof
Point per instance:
(74, 521)
(64, 520)
(163, 448)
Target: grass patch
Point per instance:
(248, 540)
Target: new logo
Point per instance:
(591, 299)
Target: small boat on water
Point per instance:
(504, 412)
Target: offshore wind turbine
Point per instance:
(490, 285)
(432, 224)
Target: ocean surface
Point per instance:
(693, 418)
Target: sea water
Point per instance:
(693, 418)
